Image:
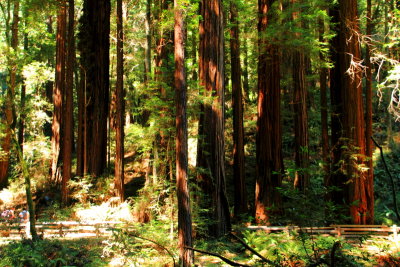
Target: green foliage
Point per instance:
(50, 253)
(146, 245)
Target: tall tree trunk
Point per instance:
(269, 129)
(9, 109)
(211, 153)
(94, 46)
(120, 106)
(22, 115)
(368, 121)
(246, 85)
(337, 183)
(58, 92)
(68, 108)
(147, 62)
(300, 94)
(240, 197)
(184, 213)
(323, 74)
(353, 147)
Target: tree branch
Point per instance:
(232, 263)
(154, 242)
(253, 250)
(391, 179)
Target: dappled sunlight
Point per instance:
(105, 212)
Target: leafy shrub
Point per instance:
(49, 253)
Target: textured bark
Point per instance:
(353, 133)
(269, 129)
(68, 107)
(300, 97)
(94, 46)
(211, 152)
(58, 92)
(368, 122)
(337, 177)
(9, 109)
(164, 78)
(120, 106)
(184, 213)
(240, 197)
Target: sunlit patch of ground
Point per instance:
(105, 212)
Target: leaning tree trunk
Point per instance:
(269, 132)
(211, 153)
(240, 195)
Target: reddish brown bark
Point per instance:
(9, 108)
(94, 45)
(58, 92)
(68, 107)
(211, 152)
(184, 213)
(353, 143)
(120, 106)
(269, 132)
(368, 122)
(240, 196)
(300, 95)
(337, 178)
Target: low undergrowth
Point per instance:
(153, 245)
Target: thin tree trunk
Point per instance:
(148, 42)
(323, 73)
(184, 213)
(58, 92)
(211, 152)
(269, 132)
(240, 196)
(120, 106)
(68, 109)
(22, 115)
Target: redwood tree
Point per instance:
(211, 146)
(300, 94)
(240, 195)
(58, 91)
(368, 121)
(120, 106)
(347, 91)
(269, 129)
(68, 100)
(184, 213)
(94, 48)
